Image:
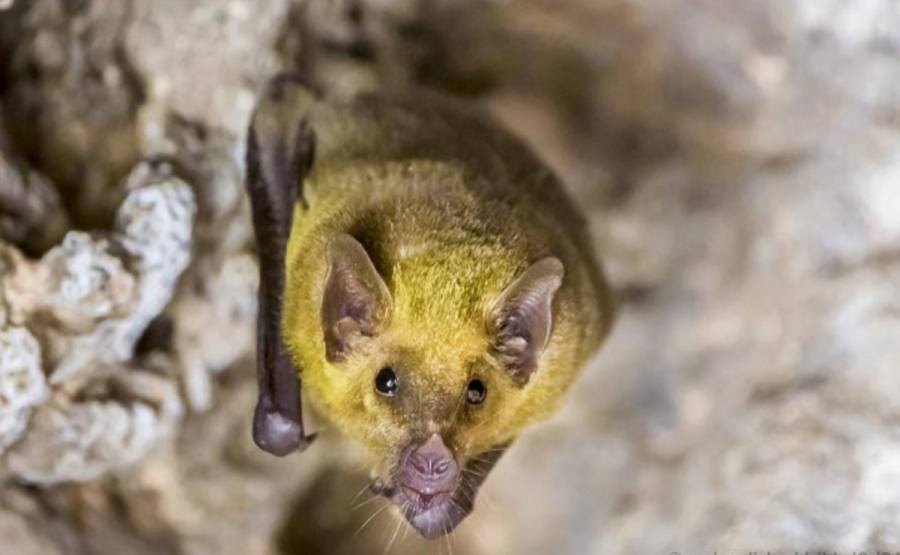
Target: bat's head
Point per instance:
(429, 363)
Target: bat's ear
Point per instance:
(520, 319)
(356, 302)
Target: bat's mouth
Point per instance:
(433, 491)
(425, 498)
(434, 516)
(432, 512)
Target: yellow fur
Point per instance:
(450, 210)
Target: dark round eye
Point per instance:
(386, 381)
(476, 392)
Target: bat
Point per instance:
(424, 276)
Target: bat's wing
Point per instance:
(279, 154)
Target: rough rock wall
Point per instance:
(740, 165)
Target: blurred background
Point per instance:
(739, 163)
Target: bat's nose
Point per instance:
(432, 461)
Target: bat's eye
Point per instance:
(476, 392)
(386, 382)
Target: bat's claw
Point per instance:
(277, 433)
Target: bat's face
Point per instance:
(435, 400)
(426, 424)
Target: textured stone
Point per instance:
(22, 382)
(84, 441)
(89, 300)
(153, 228)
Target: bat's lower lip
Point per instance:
(437, 519)
(438, 515)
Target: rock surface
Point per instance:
(739, 166)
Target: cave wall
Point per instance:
(739, 163)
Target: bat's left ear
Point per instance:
(520, 319)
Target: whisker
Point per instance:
(407, 527)
(486, 457)
(447, 534)
(490, 502)
(493, 451)
(393, 536)
(479, 470)
(359, 493)
(468, 491)
(368, 520)
(476, 473)
(366, 502)
(457, 505)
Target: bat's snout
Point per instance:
(429, 480)
(432, 488)
(429, 474)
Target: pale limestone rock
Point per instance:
(83, 283)
(153, 228)
(84, 441)
(89, 299)
(81, 441)
(22, 382)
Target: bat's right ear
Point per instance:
(356, 301)
(280, 149)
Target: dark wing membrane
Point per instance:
(279, 154)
